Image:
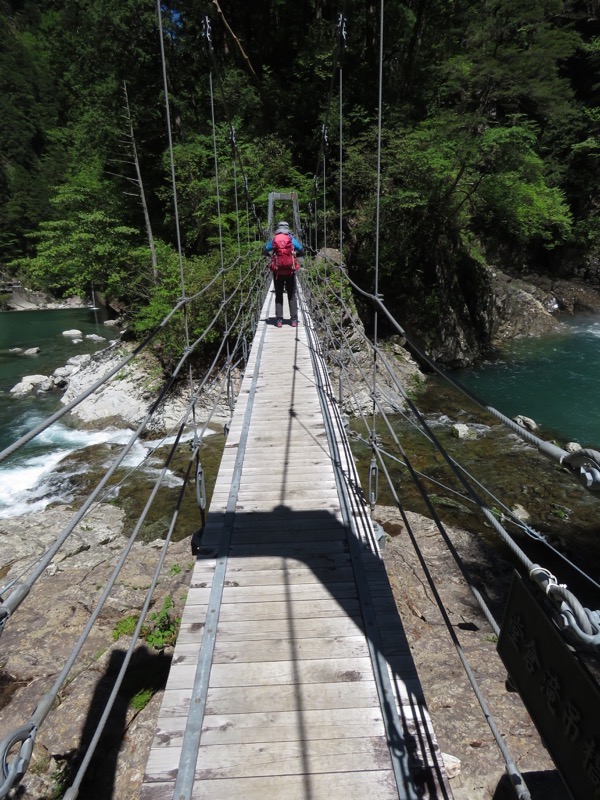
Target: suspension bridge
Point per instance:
(292, 676)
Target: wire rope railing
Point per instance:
(245, 300)
(25, 734)
(512, 770)
(580, 622)
(584, 623)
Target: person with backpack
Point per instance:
(283, 249)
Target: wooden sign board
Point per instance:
(558, 691)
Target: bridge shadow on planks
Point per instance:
(296, 618)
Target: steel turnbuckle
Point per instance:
(200, 487)
(373, 483)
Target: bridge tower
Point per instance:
(291, 197)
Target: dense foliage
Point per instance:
(490, 147)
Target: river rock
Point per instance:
(525, 422)
(80, 360)
(95, 338)
(73, 333)
(23, 299)
(64, 372)
(127, 396)
(15, 350)
(521, 512)
(462, 431)
(31, 351)
(119, 398)
(572, 447)
(40, 635)
(28, 383)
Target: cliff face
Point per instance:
(484, 307)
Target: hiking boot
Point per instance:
(294, 323)
(280, 323)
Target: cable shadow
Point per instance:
(147, 671)
(542, 785)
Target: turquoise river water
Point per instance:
(555, 380)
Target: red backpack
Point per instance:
(283, 260)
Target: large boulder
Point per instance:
(519, 309)
(28, 383)
(121, 398)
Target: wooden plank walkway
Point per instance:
(291, 677)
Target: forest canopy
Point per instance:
(490, 140)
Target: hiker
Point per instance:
(283, 249)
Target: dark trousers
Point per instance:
(289, 282)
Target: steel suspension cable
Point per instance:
(26, 734)
(45, 705)
(583, 623)
(373, 467)
(20, 592)
(215, 69)
(583, 465)
(516, 778)
(513, 772)
(174, 188)
(342, 26)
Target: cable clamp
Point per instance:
(585, 465)
(543, 577)
(13, 773)
(196, 442)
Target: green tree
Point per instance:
(86, 243)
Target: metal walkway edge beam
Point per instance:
(291, 677)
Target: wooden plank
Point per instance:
(289, 697)
(288, 549)
(289, 758)
(281, 592)
(375, 785)
(288, 649)
(276, 519)
(265, 630)
(275, 673)
(292, 503)
(278, 535)
(310, 563)
(273, 489)
(278, 726)
(283, 575)
(281, 758)
(308, 609)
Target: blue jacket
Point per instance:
(295, 242)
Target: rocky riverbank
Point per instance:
(41, 634)
(46, 627)
(477, 765)
(38, 640)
